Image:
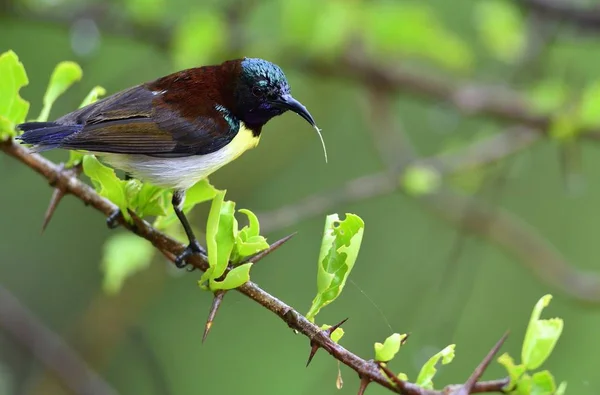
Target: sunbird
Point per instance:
(178, 129)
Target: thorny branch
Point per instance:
(587, 18)
(366, 369)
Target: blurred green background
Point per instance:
(415, 273)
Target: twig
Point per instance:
(295, 320)
(587, 18)
(503, 105)
(467, 388)
(49, 348)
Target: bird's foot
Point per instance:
(192, 249)
(112, 221)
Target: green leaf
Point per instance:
(339, 250)
(253, 228)
(524, 385)
(323, 33)
(248, 241)
(385, 352)
(64, 75)
(589, 110)
(199, 37)
(543, 383)
(412, 29)
(561, 388)
(201, 192)
(541, 336)
(564, 126)
(420, 180)
(428, 371)
(106, 183)
(501, 28)
(235, 278)
(548, 96)
(93, 96)
(146, 199)
(336, 335)
(124, 255)
(146, 11)
(221, 229)
(334, 25)
(514, 371)
(13, 109)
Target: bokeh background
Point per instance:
(512, 216)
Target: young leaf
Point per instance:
(387, 351)
(13, 109)
(248, 241)
(524, 385)
(502, 29)
(339, 249)
(541, 336)
(198, 37)
(543, 383)
(561, 388)
(253, 225)
(548, 96)
(336, 335)
(106, 182)
(428, 371)
(514, 371)
(221, 229)
(124, 255)
(146, 199)
(590, 106)
(201, 192)
(415, 30)
(93, 96)
(64, 75)
(235, 278)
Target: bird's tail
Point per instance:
(45, 135)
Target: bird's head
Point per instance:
(262, 92)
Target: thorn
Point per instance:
(329, 331)
(314, 346)
(479, 370)
(364, 382)
(261, 254)
(219, 295)
(58, 194)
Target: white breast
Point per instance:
(181, 173)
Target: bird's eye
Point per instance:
(258, 91)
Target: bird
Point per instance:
(178, 129)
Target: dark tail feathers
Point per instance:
(45, 135)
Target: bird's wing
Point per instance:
(142, 121)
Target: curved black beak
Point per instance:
(289, 103)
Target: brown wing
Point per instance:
(141, 121)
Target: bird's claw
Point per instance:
(192, 249)
(112, 221)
